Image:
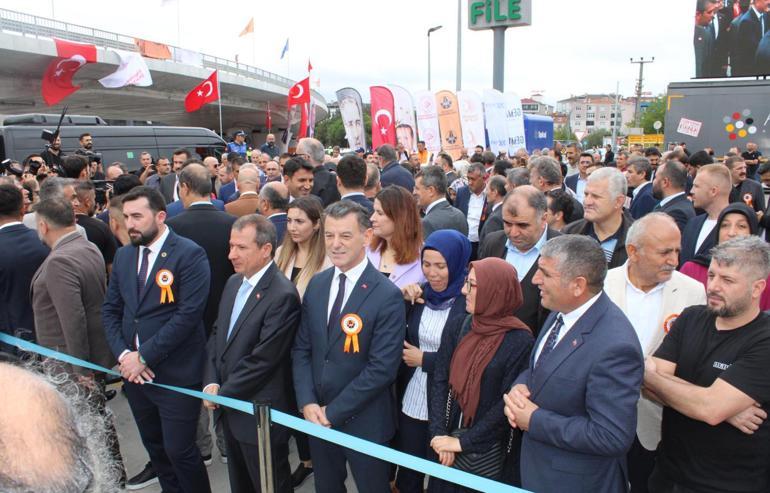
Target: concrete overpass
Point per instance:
(27, 47)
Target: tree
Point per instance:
(656, 111)
(331, 131)
(596, 138)
(563, 133)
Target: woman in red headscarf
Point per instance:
(479, 359)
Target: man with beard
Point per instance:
(53, 155)
(97, 231)
(152, 317)
(668, 187)
(711, 375)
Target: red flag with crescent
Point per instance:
(383, 123)
(299, 95)
(204, 93)
(57, 81)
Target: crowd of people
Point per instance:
(567, 320)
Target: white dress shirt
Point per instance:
(432, 325)
(475, 209)
(580, 188)
(434, 204)
(351, 278)
(670, 198)
(12, 223)
(523, 261)
(705, 231)
(643, 309)
(569, 320)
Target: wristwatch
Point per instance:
(141, 360)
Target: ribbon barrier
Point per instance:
(375, 450)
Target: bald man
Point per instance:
(212, 164)
(269, 147)
(248, 186)
(273, 202)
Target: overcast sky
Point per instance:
(571, 48)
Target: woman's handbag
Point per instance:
(488, 464)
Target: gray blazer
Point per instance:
(444, 216)
(493, 223)
(67, 293)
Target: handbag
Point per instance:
(488, 463)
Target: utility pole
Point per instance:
(616, 120)
(639, 85)
(458, 84)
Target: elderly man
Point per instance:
(515, 178)
(711, 375)
(324, 183)
(604, 219)
(472, 202)
(576, 403)
(248, 186)
(430, 188)
(649, 290)
(524, 234)
(744, 189)
(273, 201)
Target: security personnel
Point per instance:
(238, 145)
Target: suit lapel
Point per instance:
(254, 298)
(160, 262)
(571, 341)
(365, 285)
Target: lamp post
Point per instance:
(436, 28)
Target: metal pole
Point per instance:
(219, 92)
(615, 120)
(498, 59)
(639, 85)
(429, 59)
(265, 453)
(458, 84)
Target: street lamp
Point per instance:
(436, 28)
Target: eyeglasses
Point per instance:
(468, 285)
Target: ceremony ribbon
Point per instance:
(164, 279)
(352, 325)
(360, 445)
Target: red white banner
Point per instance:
(57, 81)
(204, 93)
(383, 124)
(299, 95)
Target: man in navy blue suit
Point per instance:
(351, 180)
(576, 404)
(393, 173)
(638, 175)
(347, 353)
(22, 254)
(746, 33)
(472, 201)
(153, 319)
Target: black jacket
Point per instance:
(619, 255)
(680, 209)
(325, 185)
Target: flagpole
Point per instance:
(219, 93)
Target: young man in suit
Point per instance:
(524, 234)
(430, 186)
(576, 403)
(249, 351)
(169, 184)
(638, 175)
(347, 353)
(577, 181)
(711, 193)
(668, 187)
(652, 294)
(153, 320)
(351, 180)
(23, 252)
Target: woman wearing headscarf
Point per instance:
(478, 361)
(429, 307)
(736, 220)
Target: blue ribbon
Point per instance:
(375, 450)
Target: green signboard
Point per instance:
(489, 14)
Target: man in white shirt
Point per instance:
(472, 201)
(652, 294)
(430, 186)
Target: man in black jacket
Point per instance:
(668, 187)
(744, 189)
(324, 182)
(392, 172)
(249, 352)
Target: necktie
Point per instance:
(657, 207)
(240, 302)
(762, 20)
(334, 315)
(141, 278)
(550, 342)
(713, 29)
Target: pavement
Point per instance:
(135, 456)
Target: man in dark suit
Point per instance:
(347, 353)
(668, 187)
(97, 232)
(248, 356)
(711, 193)
(524, 234)
(177, 207)
(153, 319)
(576, 182)
(273, 201)
(169, 184)
(494, 213)
(324, 182)
(445, 161)
(67, 295)
(638, 175)
(762, 58)
(393, 173)
(744, 190)
(746, 33)
(430, 187)
(576, 403)
(472, 202)
(23, 252)
(704, 39)
(351, 180)
(545, 174)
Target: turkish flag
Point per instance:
(204, 93)
(300, 92)
(57, 80)
(383, 125)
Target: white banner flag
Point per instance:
(132, 71)
(472, 119)
(514, 119)
(494, 120)
(427, 120)
(403, 109)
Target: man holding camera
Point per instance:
(53, 155)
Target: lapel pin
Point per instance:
(259, 295)
(364, 286)
(574, 342)
(163, 254)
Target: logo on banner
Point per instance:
(446, 103)
(451, 138)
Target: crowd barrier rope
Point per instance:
(375, 450)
